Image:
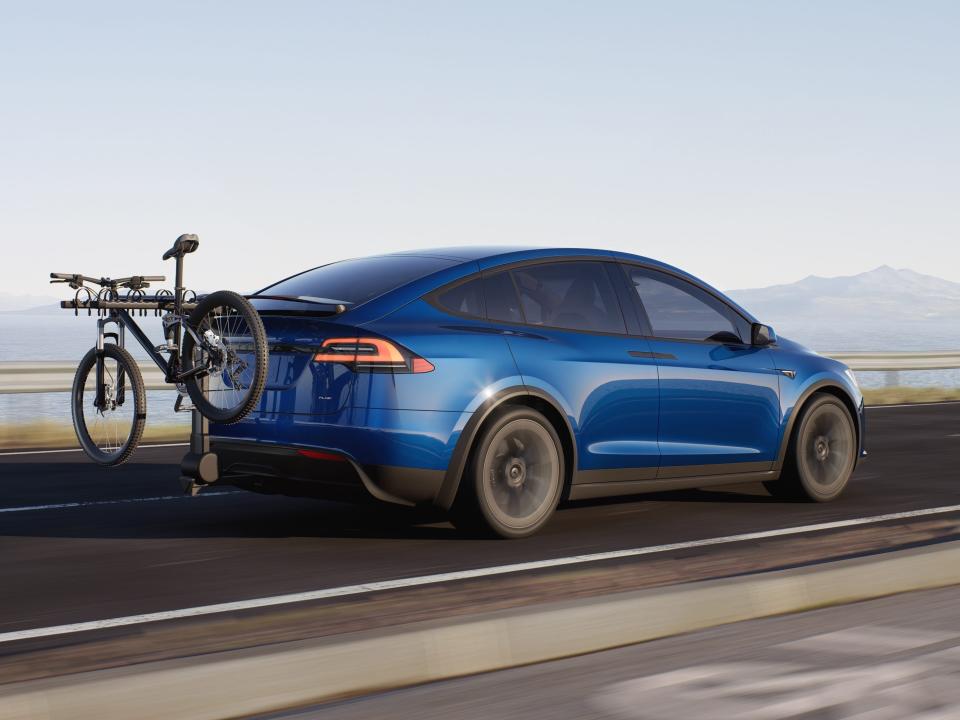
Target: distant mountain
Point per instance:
(10, 302)
(883, 309)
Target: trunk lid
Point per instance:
(295, 383)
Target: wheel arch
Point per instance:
(538, 400)
(822, 387)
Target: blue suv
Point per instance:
(497, 383)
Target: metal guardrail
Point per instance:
(897, 361)
(57, 376)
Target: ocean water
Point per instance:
(63, 336)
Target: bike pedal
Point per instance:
(178, 406)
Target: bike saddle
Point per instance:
(184, 244)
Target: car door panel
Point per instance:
(719, 396)
(719, 406)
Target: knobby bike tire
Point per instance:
(79, 408)
(260, 357)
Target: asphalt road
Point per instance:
(134, 545)
(887, 659)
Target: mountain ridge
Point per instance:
(892, 308)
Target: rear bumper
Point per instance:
(302, 471)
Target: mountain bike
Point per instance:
(215, 352)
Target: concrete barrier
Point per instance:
(245, 682)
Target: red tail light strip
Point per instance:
(371, 354)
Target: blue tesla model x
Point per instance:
(497, 383)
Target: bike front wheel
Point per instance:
(225, 371)
(109, 405)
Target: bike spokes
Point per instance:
(109, 405)
(225, 354)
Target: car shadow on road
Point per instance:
(145, 501)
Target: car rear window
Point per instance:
(354, 282)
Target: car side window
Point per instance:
(503, 305)
(465, 298)
(679, 310)
(574, 295)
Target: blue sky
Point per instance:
(749, 142)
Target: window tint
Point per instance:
(355, 281)
(501, 296)
(678, 310)
(464, 299)
(572, 295)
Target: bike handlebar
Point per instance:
(134, 282)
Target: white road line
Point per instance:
(89, 503)
(381, 585)
(903, 405)
(869, 641)
(70, 450)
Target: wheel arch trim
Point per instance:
(458, 461)
(832, 388)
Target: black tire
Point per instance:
(821, 455)
(501, 494)
(228, 315)
(110, 434)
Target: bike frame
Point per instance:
(118, 313)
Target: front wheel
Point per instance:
(822, 453)
(515, 477)
(109, 405)
(226, 371)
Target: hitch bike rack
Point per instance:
(199, 467)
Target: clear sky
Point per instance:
(748, 142)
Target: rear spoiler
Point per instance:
(274, 305)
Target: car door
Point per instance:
(566, 329)
(719, 395)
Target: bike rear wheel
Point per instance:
(232, 357)
(109, 415)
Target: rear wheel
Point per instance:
(232, 354)
(821, 455)
(515, 477)
(109, 420)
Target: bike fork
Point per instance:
(100, 399)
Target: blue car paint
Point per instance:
(611, 398)
(694, 404)
(718, 403)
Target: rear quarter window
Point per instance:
(465, 298)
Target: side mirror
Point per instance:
(762, 335)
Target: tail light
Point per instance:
(370, 354)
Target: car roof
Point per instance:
(469, 259)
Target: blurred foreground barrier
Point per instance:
(57, 376)
(893, 362)
(261, 680)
